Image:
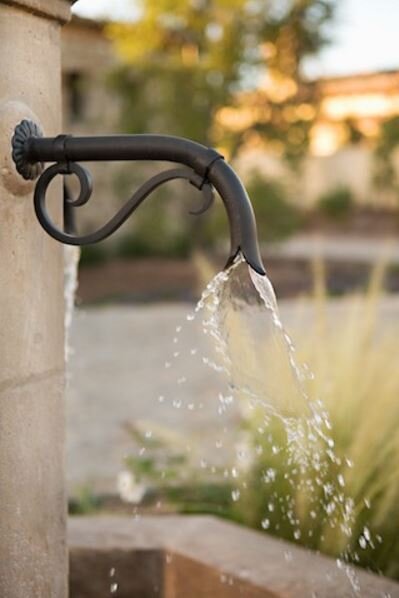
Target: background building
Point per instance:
(89, 105)
(349, 115)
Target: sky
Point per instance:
(365, 34)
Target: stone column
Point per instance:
(33, 555)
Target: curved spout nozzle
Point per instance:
(251, 258)
(243, 233)
(255, 263)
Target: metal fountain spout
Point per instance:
(203, 167)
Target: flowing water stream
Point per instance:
(290, 436)
(253, 370)
(71, 265)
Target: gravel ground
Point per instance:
(117, 372)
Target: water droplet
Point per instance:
(362, 542)
(161, 398)
(288, 556)
(330, 508)
(265, 523)
(269, 475)
(112, 572)
(340, 564)
(244, 573)
(190, 317)
(235, 495)
(113, 588)
(366, 534)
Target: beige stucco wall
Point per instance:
(32, 499)
(352, 167)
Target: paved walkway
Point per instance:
(118, 372)
(337, 248)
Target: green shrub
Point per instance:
(385, 173)
(164, 469)
(85, 502)
(154, 241)
(336, 203)
(356, 376)
(202, 497)
(93, 255)
(276, 217)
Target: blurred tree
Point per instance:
(183, 60)
(385, 174)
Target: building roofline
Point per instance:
(356, 75)
(86, 23)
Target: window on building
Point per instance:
(75, 96)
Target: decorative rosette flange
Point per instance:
(24, 131)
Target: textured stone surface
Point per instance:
(52, 9)
(33, 559)
(203, 557)
(32, 540)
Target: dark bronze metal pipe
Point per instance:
(204, 167)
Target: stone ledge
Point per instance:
(180, 556)
(59, 10)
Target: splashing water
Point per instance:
(258, 356)
(254, 369)
(71, 264)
